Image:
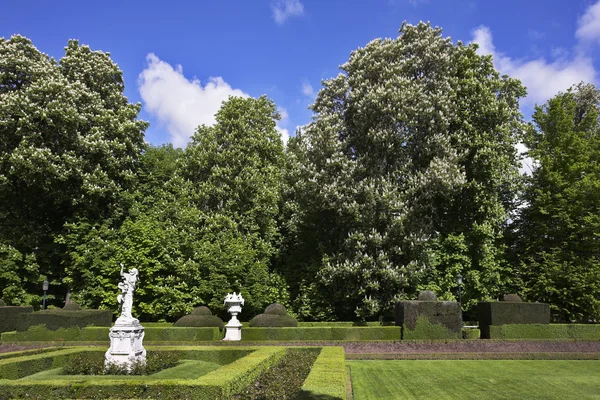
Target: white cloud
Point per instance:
(179, 103)
(307, 89)
(588, 26)
(284, 9)
(285, 135)
(543, 79)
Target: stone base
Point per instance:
(233, 332)
(126, 344)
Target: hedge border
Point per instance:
(95, 333)
(541, 331)
(381, 333)
(327, 377)
(219, 384)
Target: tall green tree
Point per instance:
(559, 227)
(404, 178)
(202, 223)
(69, 143)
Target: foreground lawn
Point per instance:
(477, 379)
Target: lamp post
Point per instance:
(45, 287)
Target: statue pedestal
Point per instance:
(126, 346)
(233, 330)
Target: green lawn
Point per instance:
(475, 379)
(187, 369)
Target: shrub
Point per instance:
(273, 320)
(444, 313)
(2, 303)
(505, 312)
(424, 329)
(72, 307)
(327, 378)
(275, 315)
(427, 295)
(92, 363)
(199, 321)
(202, 310)
(276, 309)
(512, 297)
(55, 319)
(10, 317)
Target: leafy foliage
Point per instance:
(404, 178)
(557, 241)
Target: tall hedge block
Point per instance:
(10, 316)
(55, 319)
(508, 312)
(444, 313)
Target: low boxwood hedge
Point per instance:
(424, 329)
(322, 333)
(222, 383)
(56, 319)
(541, 331)
(91, 334)
(10, 317)
(327, 379)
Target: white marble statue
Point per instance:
(127, 287)
(127, 335)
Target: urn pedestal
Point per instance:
(126, 345)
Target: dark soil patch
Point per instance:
(5, 348)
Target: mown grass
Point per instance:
(475, 379)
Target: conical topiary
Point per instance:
(275, 315)
(201, 317)
(202, 310)
(512, 297)
(72, 307)
(427, 295)
(276, 309)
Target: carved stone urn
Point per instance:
(233, 329)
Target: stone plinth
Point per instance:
(233, 330)
(126, 343)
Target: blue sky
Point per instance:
(182, 58)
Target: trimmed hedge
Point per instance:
(55, 319)
(222, 383)
(444, 313)
(91, 334)
(322, 333)
(10, 317)
(342, 324)
(542, 331)
(273, 321)
(327, 379)
(471, 333)
(512, 312)
(19, 367)
(424, 329)
(199, 321)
